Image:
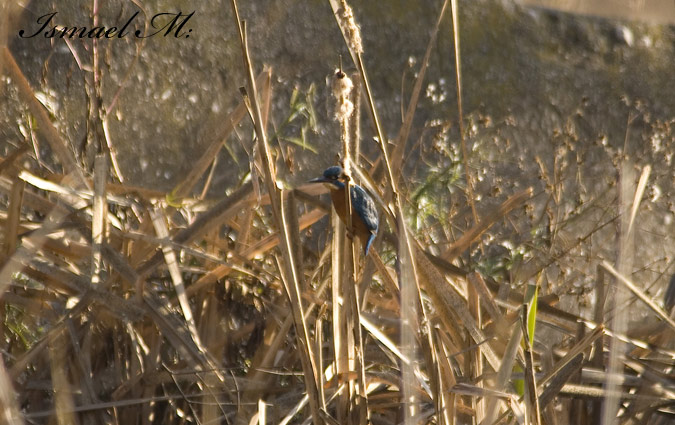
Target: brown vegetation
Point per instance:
(122, 305)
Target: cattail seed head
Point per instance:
(342, 89)
(350, 28)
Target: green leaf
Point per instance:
(173, 200)
(294, 97)
(300, 141)
(531, 295)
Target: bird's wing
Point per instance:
(364, 205)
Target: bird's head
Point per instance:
(333, 178)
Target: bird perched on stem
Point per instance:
(364, 215)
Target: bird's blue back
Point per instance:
(364, 206)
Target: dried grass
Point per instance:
(134, 314)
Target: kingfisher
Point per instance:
(364, 215)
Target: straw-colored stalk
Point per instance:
(100, 213)
(462, 134)
(408, 281)
(619, 295)
(288, 268)
(357, 411)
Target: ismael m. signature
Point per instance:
(166, 24)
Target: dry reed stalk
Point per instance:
(339, 312)
(32, 200)
(618, 297)
(294, 232)
(110, 149)
(287, 268)
(318, 339)
(124, 189)
(357, 408)
(63, 394)
(571, 368)
(594, 392)
(410, 303)
(211, 337)
(410, 289)
(99, 215)
(632, 287)
(477, 357)
(504, 372)
(460, 121)
(68, 192)
(451, 305)
(159, 223)
(447, 405)
(579, 348)
(599, 314)
(639, 193)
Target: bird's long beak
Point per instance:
(319, 180)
